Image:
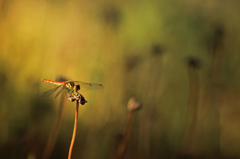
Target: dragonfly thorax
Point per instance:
(70, 85)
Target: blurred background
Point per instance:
(180, 59)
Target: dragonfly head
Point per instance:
(77, 87)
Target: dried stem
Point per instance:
(123, 142)
(55, 130)
(74, 130)
(191, 134)
(133, 105)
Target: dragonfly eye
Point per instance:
(77, 86)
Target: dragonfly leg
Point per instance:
(71, 92)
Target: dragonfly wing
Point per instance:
(51, 91)
(59, 92)
(86, 85)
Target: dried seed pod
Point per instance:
(133, 104)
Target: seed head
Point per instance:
(133, 104)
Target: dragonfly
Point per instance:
(71, 87)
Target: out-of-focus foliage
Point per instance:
(134, 48)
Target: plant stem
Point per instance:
(55, 130)
(123, 142)
(74, 130)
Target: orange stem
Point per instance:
(122, 145)
(74, 130)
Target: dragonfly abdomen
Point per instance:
(53, 82)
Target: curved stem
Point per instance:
(52, 138)
(74, 131)
(123, 143)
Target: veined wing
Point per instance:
(90, 86)
(51, 91)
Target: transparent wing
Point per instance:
(51, 91)
(92, 86)
(59, 92)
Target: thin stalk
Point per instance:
(55, 130)
(132, 106)
(123, 142)
(189, 146)
(211, 95)
(74, 130)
